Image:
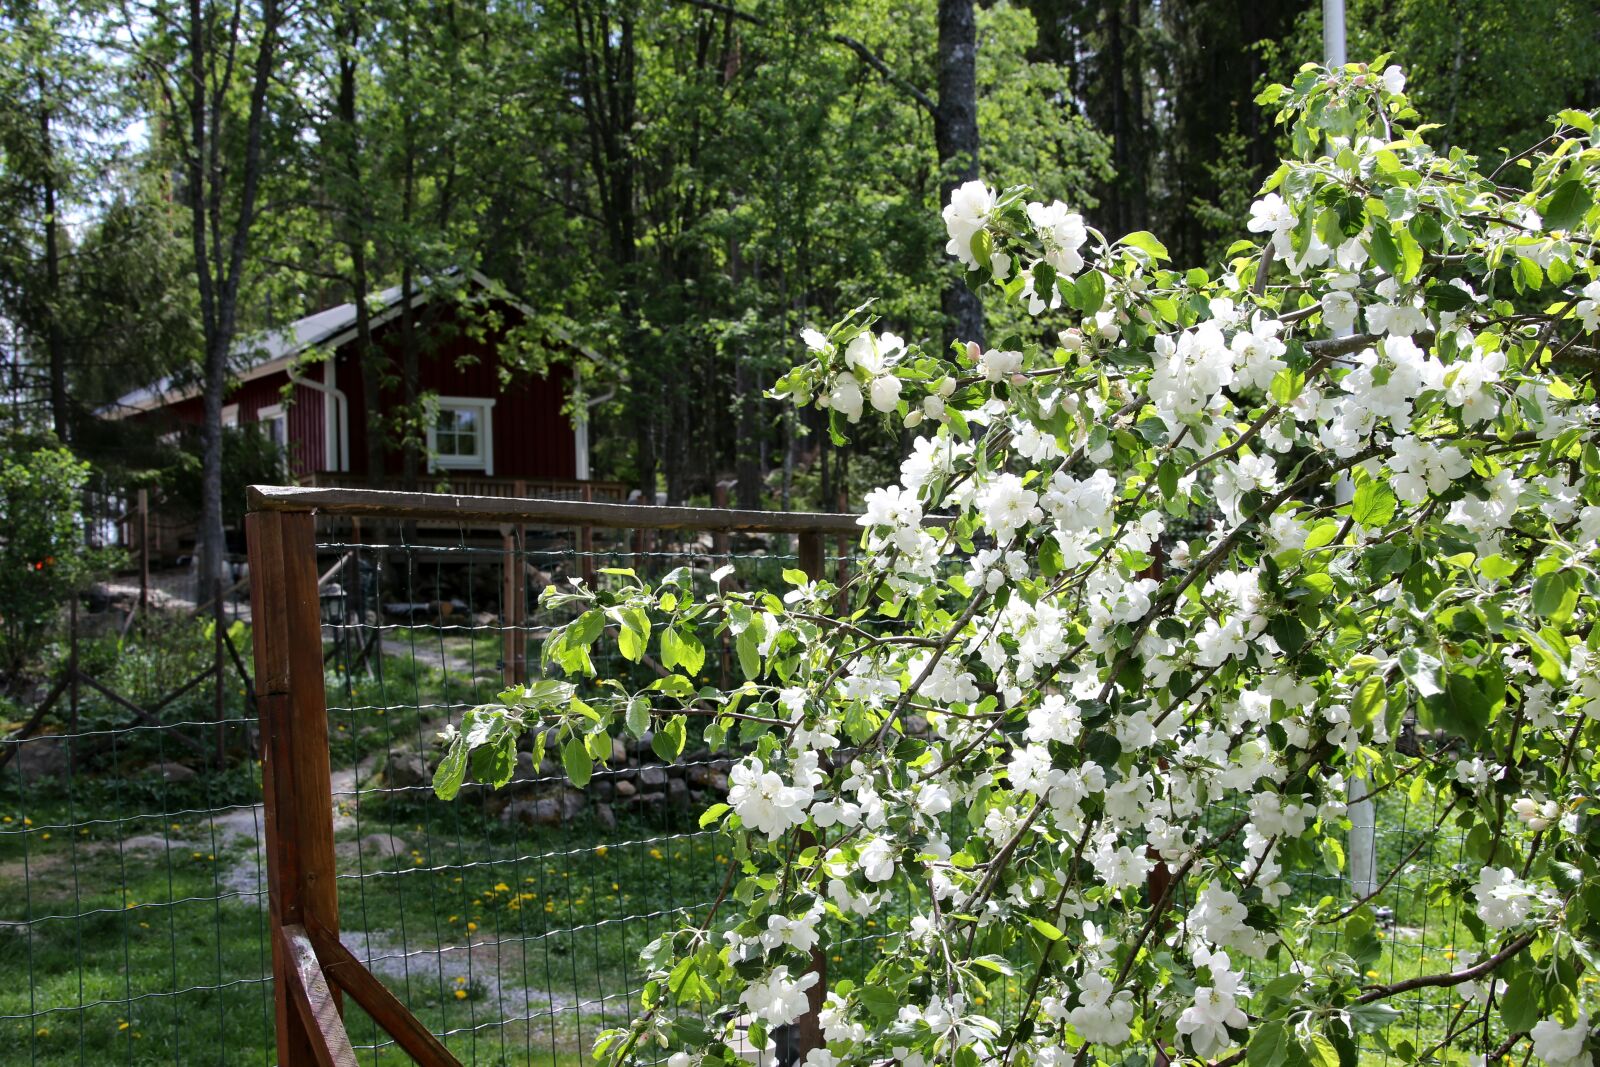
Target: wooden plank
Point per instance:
(314, 1001)
(350, 974)
(296, 779)
(556, 513)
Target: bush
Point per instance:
(43, 555)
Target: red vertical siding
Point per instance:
(532, 438)
(308, 431)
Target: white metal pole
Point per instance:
(1333, 33)
(1363, 830)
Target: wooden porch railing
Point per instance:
(456, 484)
(312, 969)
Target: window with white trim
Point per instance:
(274, 422)
(461, 436)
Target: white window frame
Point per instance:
(230, 415)
(483, 459)
(275, 413)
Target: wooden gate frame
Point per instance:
(311, 968)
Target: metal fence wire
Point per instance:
(133, 879)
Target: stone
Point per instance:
(605, 816)
(619, 752)
(699, 775)
(42, 756)
(405, 769)
(625, 788)
(602, 788)
(653, 778)
(170, 772)
(543, 812)
(677, 792)
(572, 801)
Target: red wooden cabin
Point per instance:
(492, 434)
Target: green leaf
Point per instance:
(638, 720)
(1369, 702)
(668, 741)
(448, 775)
(1567, 206)
(1321, 534)
(1555, 595)
(1090, 290)
(1374, 504)
(1050, 931)
(1384, 250)
(588, 626)
(1266, 1048)
(575, 758)
(881, 1002)
(681, 649)
(1146, 241)
(1519, 1007)
(1321, 1052)
(1167, 478)
(712, 814)
(982, 248)
(748, 646)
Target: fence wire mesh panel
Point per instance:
(132, 900)
(509, 921)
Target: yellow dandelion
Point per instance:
(501, 887)
(45, 836)
(461, 994)
(472, 927)
(601, 851)
(1373, 974)
(122, 1025)
(655, 854)
(43, 1031)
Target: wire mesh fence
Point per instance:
(132, 871)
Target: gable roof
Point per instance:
(272, 351)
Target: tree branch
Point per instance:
(863, 53)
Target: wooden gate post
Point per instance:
(295, 776)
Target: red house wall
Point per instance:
(307, 426)
(532, 438)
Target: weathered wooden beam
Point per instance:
(556, 513)
(296, 779)
(346, 971)
(313, 1001)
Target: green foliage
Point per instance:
(44, 558)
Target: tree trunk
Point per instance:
(219, 247)
(748, 469)
(956, 134)
(55, 343)
(356, 230)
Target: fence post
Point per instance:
(144, 553)
(295, 774)
(813, 560)
(513, 607)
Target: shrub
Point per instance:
(44, 556)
